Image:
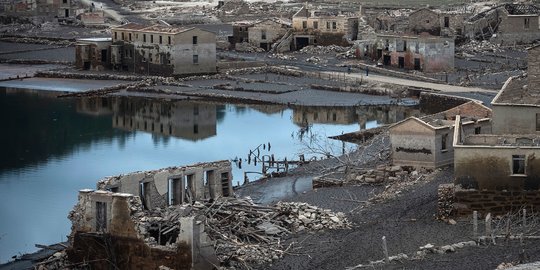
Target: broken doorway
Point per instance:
(386, 60)
(416, 63)
(189, 192)
(401, 62)
(101, 216)
(175, 191)
(208, 192)
(301, 42)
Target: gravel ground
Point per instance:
(408, 222)
(6, 47)
(307, 97)
(60, 54)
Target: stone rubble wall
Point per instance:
(455, 201)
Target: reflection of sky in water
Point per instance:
(36, 195)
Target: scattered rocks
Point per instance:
(247, 47)
(311, 49)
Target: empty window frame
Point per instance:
(526, 23)
(444, 142)
(195, 40)
(304, 24)
(195, 59)
(538, 122)
(518, 164)
(101, 216)
(315, 25)
(334, 25)
(263, 34)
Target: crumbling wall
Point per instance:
(265, 33)
(424, 20)
(110, 230)
(456, 201)
(154, 186)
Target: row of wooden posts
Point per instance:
(488, 231)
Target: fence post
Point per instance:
(385, 250)
(488, 224)
(524, 217)
(475, 223)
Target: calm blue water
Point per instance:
(51, 148)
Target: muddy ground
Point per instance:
(408, 222)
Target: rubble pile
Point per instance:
(394, 189)
(248, 233)
(315, 59)
(311, 49)
(247, 47)
(282, 56)
(475, 46)
(382, 174)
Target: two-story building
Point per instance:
(417, 52)
(323, 27)
(152, 50)
(505, 24)
(500, 172)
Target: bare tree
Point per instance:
(339, 154)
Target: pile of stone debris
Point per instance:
(246, 233)
(311, 49)
(381, 174)
(247, 47)
(475, 46)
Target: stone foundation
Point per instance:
(497, 202)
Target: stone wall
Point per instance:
(497, 202)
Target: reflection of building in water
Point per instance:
(269, 109)
(95, 106)
(349, 115)
(183, 119)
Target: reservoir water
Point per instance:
(53, 147)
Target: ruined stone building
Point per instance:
(151, 50)
(174, 185)
(503, 164)
(163, 50)
(93, 53)
(266, 32)
(505, 24)
(109, 231)
(417, 52)
(395, 21)
(436, 22)
(240, 32)
(427, 141)
(323, 27)
(62, 9)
